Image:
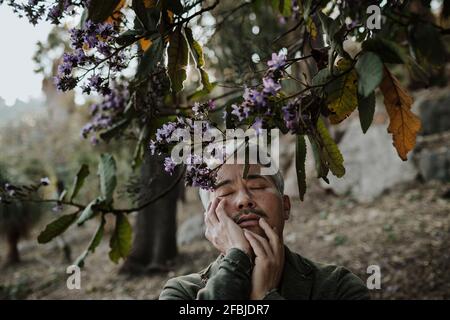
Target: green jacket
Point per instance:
(229, 278)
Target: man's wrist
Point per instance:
(244, 250)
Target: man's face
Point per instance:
(247, 200)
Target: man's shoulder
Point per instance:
(334, 281)
(183, 287)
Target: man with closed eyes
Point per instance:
(244, 220)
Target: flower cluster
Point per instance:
(290, 115)
(107, 112)
(93, 46)
(201, 110)
(198, 174)
(54, 11)
(257, 104)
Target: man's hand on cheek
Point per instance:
(222, 231)
(269, 261)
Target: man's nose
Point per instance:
(244, 201)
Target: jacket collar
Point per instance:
(297, 280)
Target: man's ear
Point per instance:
(286, 207)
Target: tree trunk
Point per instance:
(12, 238)
(154, 244)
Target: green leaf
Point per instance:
(370, 73)
(128, 37)
(285, 7)
(342, 95)
(300, 159)
(120, 242)
(335, 35)
(107, 173)
(93, 244)
(97, 236)
(207, 86)
(55, 228)
(195, 48)
(329, 150)
(328, 24)
(89, 211)
(197, 53)
(321, 168)
(100, 10)
(150, 59)
(62, 196)
(78, 181)
(391, 52)
(321, 77)
(387, 50)
(199, 94)
(306, 9)
(178, 60)
(147, 18)
(366, 108)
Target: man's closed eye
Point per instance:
(226, 193)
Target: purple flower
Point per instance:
(54, 14)
(169, 165)
(152, 147)
(257, 125)
(237, 112)
(65, 83)
(164, 133)
(290, 115)
(76, 38)
(99, 38)
(248, 93)
(96, 81)
(105, 30)
(94, 140)
(211, 104)
(277, 62)
(199, 175)
(65, 68)
(104, 49)
(79, 56)
(254, 97)
(196, 108)
(270, 86)
(259, 99)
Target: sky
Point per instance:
(18, 38)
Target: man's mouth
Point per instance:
(248, 220)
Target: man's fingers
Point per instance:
(220, 211)
(211, 214)
(263, 242)
(274, 240)
(257, 247)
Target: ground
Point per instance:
(406, 232)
